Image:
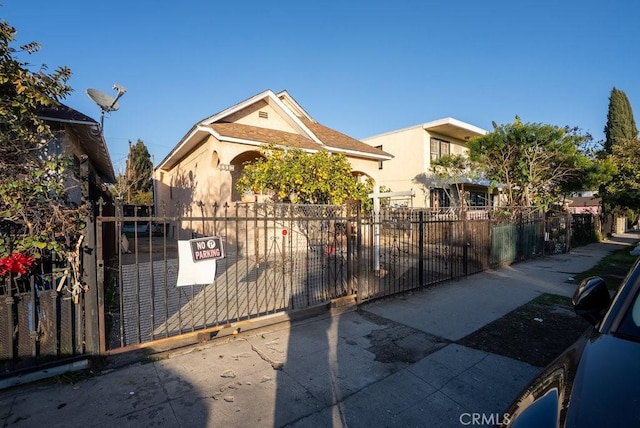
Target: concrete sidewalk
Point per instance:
(394, 362)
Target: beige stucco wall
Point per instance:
(411, 148)
(198, 177)
(367, 167)
(408, 148)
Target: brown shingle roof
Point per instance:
(89, 135)
(264, 135)
(338, 140)
(328, 136)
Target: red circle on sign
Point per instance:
(284, 232)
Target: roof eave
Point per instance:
(473, 130)
(359, 154)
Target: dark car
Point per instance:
(596, 382)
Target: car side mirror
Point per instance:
(591, 299)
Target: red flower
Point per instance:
(15, 263)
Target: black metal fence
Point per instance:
(278, 259)
(283, 257)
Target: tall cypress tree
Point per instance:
(139, 174)
(623, 148)
(621, 126)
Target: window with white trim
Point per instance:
(439, 148)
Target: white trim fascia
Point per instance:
(296, 121)
(455, 122)
(221, 137)
(359, 154)
(271, 96)
(241, 141)
(71, 121)
(255, 143)
(444, 121)
(235, 108)
(302, 111)
(208, 129)
(183, 142)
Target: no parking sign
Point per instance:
(209, 248)
(197, 260)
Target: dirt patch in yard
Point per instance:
(535, 333)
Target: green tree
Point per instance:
(453, 171)
(34, 211)
(621, 125)
(622, 148)
(135, 186)
(532, 160)
(300, 177)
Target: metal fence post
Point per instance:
(465, 243)
(421, 248)
(359, 256)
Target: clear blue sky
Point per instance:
(360, 67)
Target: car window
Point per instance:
(630, 326)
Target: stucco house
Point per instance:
(414, 148)
(204, 166)
(584, 203)
(80, 138)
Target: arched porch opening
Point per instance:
(238, 164)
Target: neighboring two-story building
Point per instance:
(414, 148)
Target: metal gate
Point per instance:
(410, 248)
(279, 257)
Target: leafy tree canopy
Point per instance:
(450, 171)
(300, 177)
(535, 162)
(135, 185)
(34, 210)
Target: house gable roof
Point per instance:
(275, 102)
(89, 135)
(309, 135)
(293, 105)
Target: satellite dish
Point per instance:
(105, 102)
